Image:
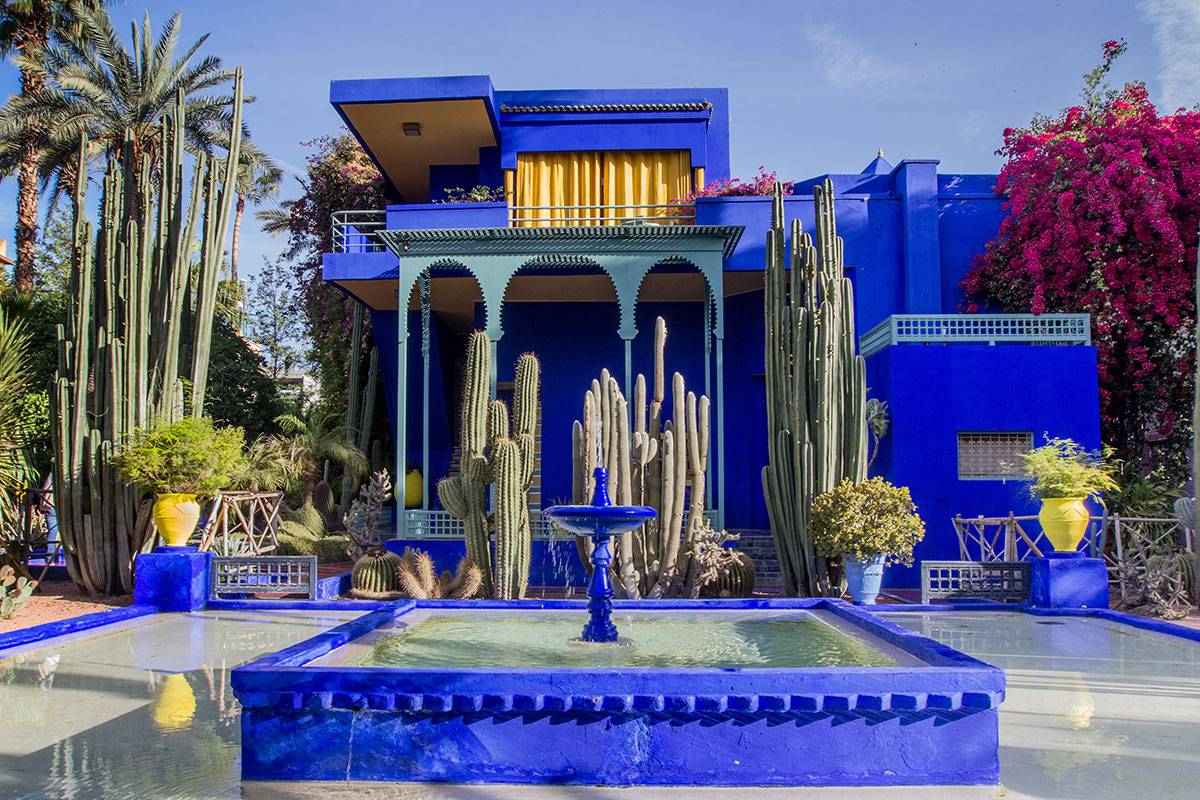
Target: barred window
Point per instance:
(992, 454)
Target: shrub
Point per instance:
(1062, 468)
(290, 545)
(294, 529)
(190, 456)
(866, 519)
(333, 549)
(309, 517)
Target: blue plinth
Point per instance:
(1068, 580)
(172, 578)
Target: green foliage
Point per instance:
(878, 422)
(290, 545)
(264, 467)
(13, 592)
(1144, 496)
(866, 519)
(190, 456)
(295, 530)
(16, 427)
(239, 392)
(309, 517)
(1062, 468)
(272, 320)
(333, 549)
(310, 442)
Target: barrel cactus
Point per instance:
(736, 581)
(376, 575)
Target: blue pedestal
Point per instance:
(172, 578)
(1068, 580)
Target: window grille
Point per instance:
(992, 454)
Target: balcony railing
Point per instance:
(354, 231)
(1068, 329)
(567, 216)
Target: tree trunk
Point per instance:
(310, 485)
(33, 31)
(237, 234)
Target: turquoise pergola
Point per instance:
(626, 253)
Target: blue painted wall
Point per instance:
(933, 392)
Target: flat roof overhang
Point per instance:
(457, 116)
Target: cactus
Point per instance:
(376, 575)
(364, 521)
(816, 387)
(135, 327)
(12, 599)
(659, 465)
(736, 578)
(331, 520)
(419, 580)
(495, 450)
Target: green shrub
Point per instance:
(866, 519)
(309, 517)
(333, 549)
(295, 545)
(1062, 468)
(190, 456)
(296, 530)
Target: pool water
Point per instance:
(660, 640)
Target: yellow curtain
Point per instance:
(568, 181)
(644, 177)
(617, 180)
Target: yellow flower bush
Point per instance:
(866, 519)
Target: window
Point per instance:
(992, 454)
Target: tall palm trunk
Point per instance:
(237, 235)
(34, 32)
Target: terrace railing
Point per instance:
(1057, 329)
(570, 216)
(354, 231)
(992, 539)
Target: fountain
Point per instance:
(600, 521)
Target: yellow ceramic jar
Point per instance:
(1064, 521)
(176, 516)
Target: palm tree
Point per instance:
(26, 29)
(96, 86)
(14, 424)
(256, 182)
(309, 444)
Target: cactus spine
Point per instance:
(133, 329)
(658, 465)
(376, 575)
(816, 387)
(495, 451)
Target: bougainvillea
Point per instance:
(341, 177)
(1103, 211)
(762, 184)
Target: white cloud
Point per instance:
(1176, 26)
(842, 60)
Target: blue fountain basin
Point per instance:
(599, 520)
(924, 714)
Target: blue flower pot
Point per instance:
(863, 578)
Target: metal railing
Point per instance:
(1067, 329)
(265, 574)
(568, 216)
(354, 231)
(999, 581)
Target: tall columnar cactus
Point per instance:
(816, 387)
(136, 326)
(495, 451)
(659, 465)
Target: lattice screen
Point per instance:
(992, 454)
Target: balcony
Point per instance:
(354, 231)
(1052, 329)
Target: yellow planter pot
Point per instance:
(176, 516)
(414, 487)
(1064, 521)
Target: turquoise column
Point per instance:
(424, 283)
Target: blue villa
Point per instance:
(590, 247)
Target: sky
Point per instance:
(814, 87)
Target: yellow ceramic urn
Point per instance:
(1064, 521)
(176, 516)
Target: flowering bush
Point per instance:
(340, 177)
(862, 520)
(763, 184)
(1103, 211)
(476, 194)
